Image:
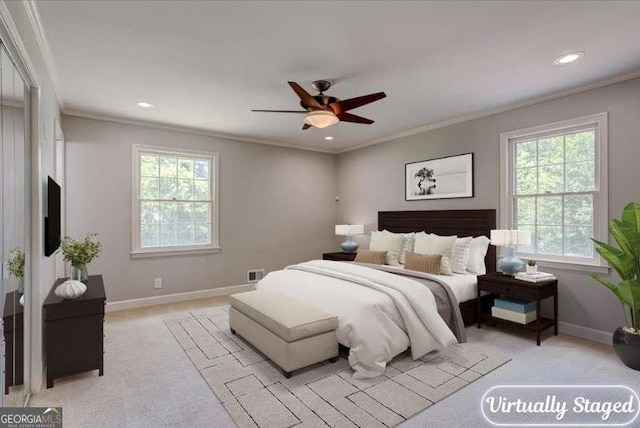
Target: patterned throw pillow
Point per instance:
(371, 257)
(461, 255)
(445, 266)
(429, 263)
(407, 246)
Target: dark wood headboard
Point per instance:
(445, 222)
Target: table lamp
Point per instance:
(348, 230)
(510, 239)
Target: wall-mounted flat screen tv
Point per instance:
(52, 227)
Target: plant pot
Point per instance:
(627, 346)
(532, 269)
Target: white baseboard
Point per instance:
(178, 297)
(585, 333)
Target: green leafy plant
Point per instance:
(15, 264)
(531, 262)
(81, 252)
(626, 262)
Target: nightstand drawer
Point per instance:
(523, 291)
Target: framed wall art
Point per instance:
(442, 178)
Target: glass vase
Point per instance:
(80, 273)
(20, 286)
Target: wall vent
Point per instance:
(255, 275)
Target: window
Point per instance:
(175, 204)
(555, 187)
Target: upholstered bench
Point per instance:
(292, 333)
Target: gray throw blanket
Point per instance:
(448, 306)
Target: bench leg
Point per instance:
(286, 374)
(333, 360)
(233, 332)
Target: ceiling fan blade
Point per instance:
(348, 117)
(306, 126)
(306, 98)
(281, 111)
(346, 105)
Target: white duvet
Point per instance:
(379, 314)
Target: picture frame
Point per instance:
(440, 178)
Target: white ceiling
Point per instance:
(205, 65)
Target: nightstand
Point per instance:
(339, 257)
(74, 331)
(508, 286)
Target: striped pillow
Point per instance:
(371, 257)
(429, 263)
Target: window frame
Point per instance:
(137, 251)
(600, 194)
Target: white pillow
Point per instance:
(389, 242)
(461, 255)
(407, 246)
(445, 266)
(434, 244)
(477, 252)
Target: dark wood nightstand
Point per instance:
(339, 257)
(508, 286)
(74, 331)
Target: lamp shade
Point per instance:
(321, 118)
(514, 238)
(349, 229)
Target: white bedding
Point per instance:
(379, 314)
(462, 285)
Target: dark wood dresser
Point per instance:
(13, 317)
(74, 331)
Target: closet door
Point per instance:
(15, 221)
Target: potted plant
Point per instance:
(626, 262)
(532, 267)
(80, 253)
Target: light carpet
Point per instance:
(256, 394)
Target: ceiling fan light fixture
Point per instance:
(321, 118)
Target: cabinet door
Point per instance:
(74, 345)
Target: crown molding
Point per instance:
(190, 130)
(11, 38)
(389, 138)
(496, 110)
(45, 49)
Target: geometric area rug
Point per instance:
(256, 394)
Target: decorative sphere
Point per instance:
(70, 289)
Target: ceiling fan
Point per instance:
(323, 110)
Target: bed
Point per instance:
(384, 310)
(448, 222)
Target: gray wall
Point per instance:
(276, 207)
(372, 179)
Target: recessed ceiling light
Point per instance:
(328, 138)
(145, 104)
(569, 58)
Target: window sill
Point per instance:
(173, 253)
(573, 266)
